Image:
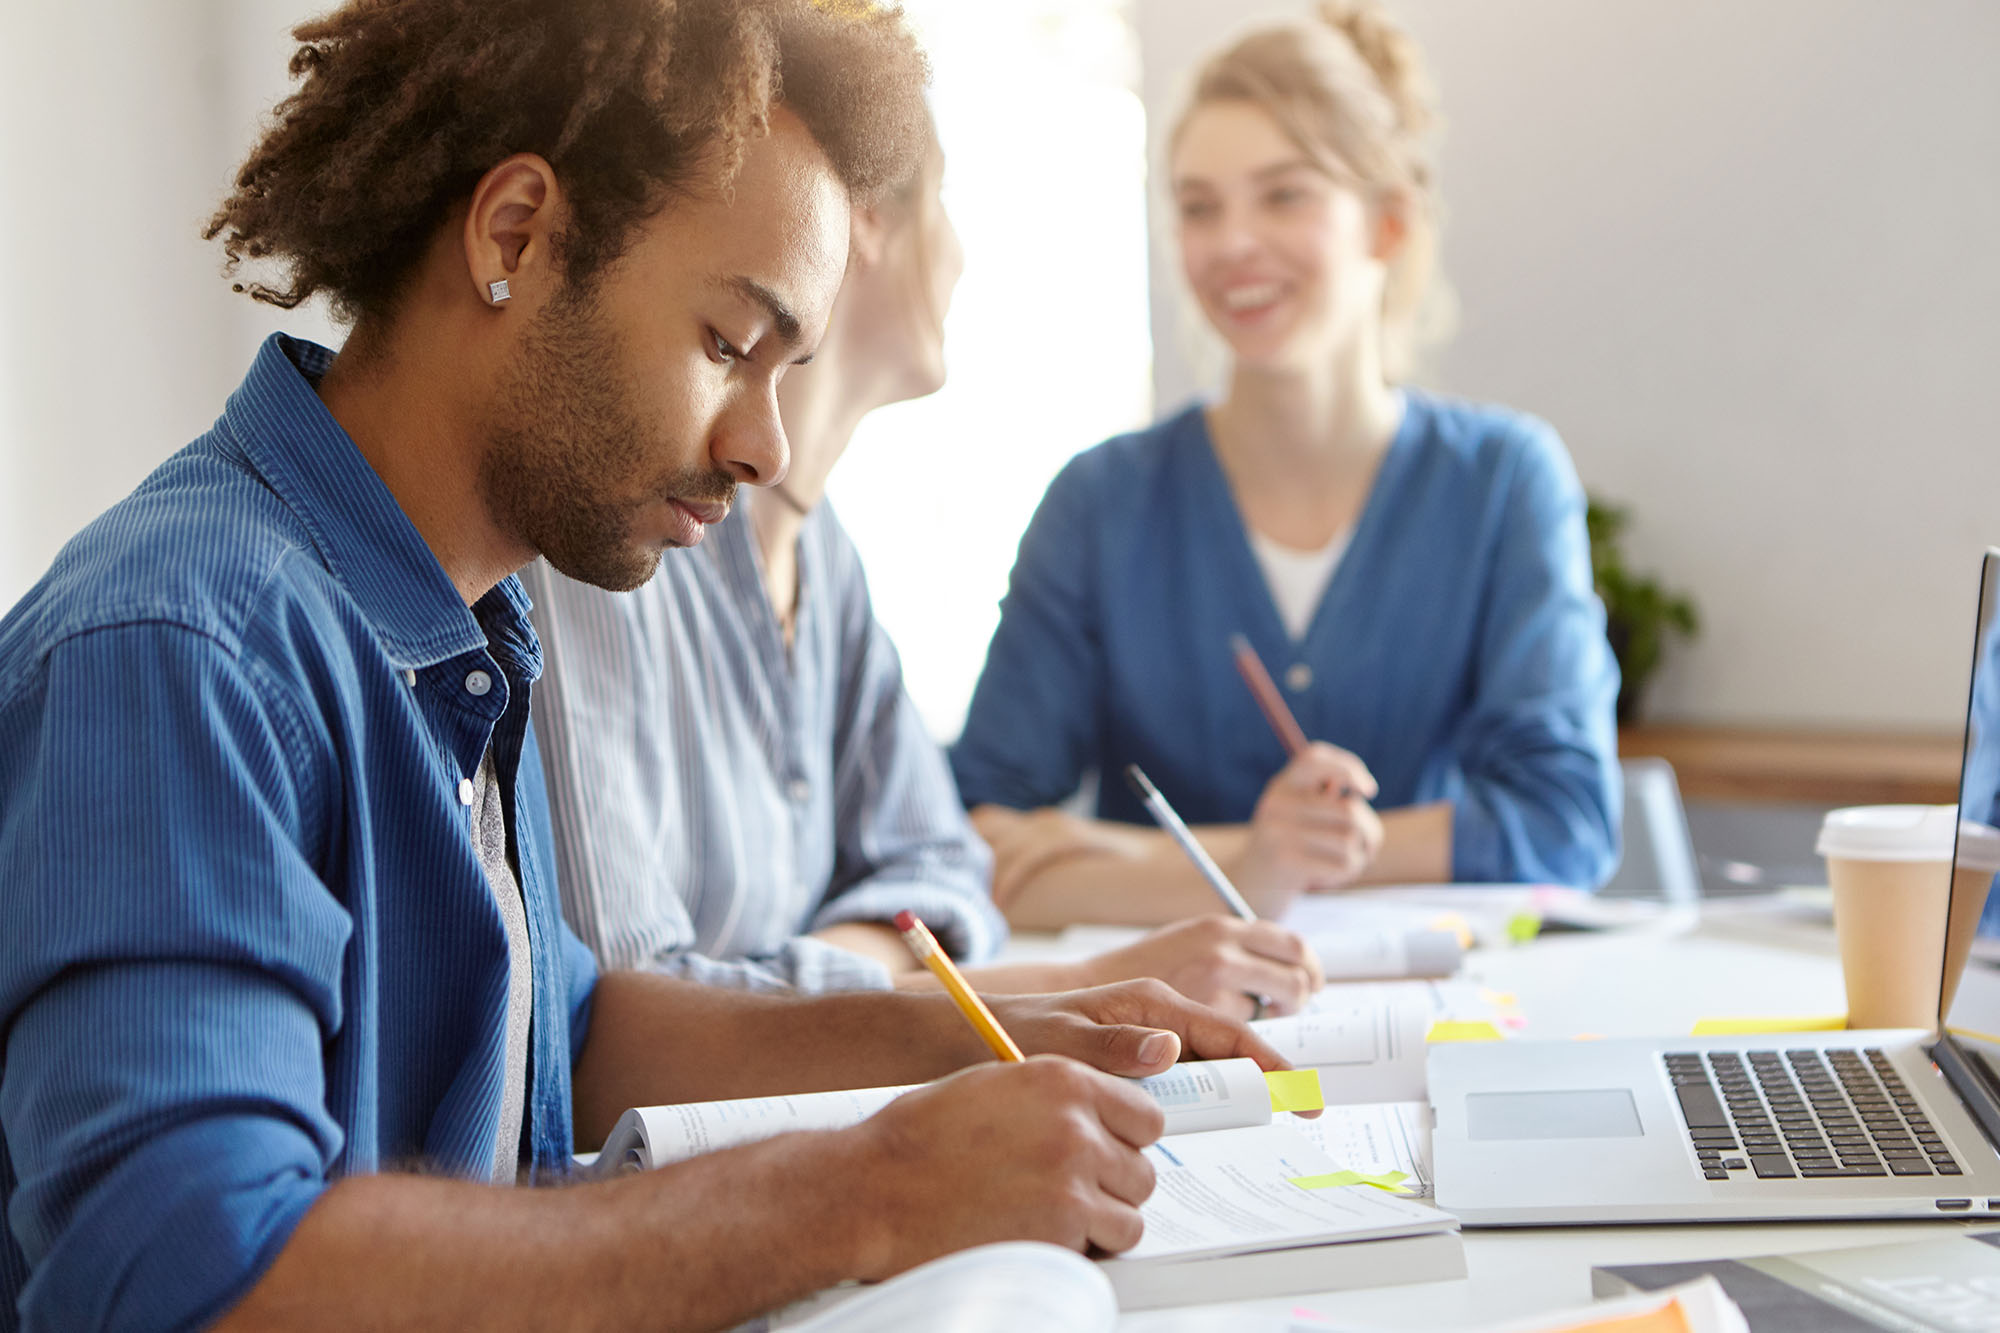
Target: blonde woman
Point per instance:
(1414, 569)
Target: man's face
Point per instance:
(635, 406)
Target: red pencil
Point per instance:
(1265, 690)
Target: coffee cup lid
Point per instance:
(1889, 833)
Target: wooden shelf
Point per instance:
(1803, 767)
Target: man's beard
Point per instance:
(566, 443)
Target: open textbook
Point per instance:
(1023, 1285)
(1242, 1206)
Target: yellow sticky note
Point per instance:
(1295, 1090)
(1463, 1030)
(1750, 1027)
(1499, 999)
(1523, 926)
(1391, 1181)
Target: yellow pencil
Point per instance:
(925, 946)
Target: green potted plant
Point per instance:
(1640, 615)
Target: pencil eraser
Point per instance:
(906, 920)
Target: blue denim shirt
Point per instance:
(246, 946)
(1459, 649)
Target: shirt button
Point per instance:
(478, 683)
(800, 790)
(1298, 677)
(410, 678)
(465, 791)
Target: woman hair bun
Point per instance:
(1392, 54)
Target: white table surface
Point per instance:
(1740, 960)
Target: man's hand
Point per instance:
(1045, 1150)
(1133, 1029)
(1313, 829)
(1221, 962)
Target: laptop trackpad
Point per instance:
(1607, 1114)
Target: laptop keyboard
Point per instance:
(1811, 1114)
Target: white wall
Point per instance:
(1047, 338)
(1745, 254)
(120, 123)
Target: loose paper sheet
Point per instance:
(1378, 1138)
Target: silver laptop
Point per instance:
(1857, 1124)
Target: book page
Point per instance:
(1196, 1096)
(652, 1136)
(1700, 1306)
(1374, 1139)
(1211, 1094)
(1231, 1190)
(1001, 1288)
(1367, 1040)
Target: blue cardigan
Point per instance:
(1459, 649)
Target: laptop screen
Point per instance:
(1969, 999)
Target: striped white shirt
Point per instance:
(716, 798)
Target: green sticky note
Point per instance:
(1391, 1181)
(1295, 1090)
(1446, 1029)
(1523, 926)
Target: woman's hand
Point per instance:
(1221, 962)
(1027, 842)
(1313, 829)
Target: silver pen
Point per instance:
(1163, 815)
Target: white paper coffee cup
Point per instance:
(1896, 910)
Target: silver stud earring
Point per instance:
(498, 291)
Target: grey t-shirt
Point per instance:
(489, 836)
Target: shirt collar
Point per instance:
(368, 543)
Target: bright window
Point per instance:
(1047, 339)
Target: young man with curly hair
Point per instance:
(283, 990)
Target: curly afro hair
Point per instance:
(405, 104)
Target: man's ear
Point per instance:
(510, 230)
(868, 237)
